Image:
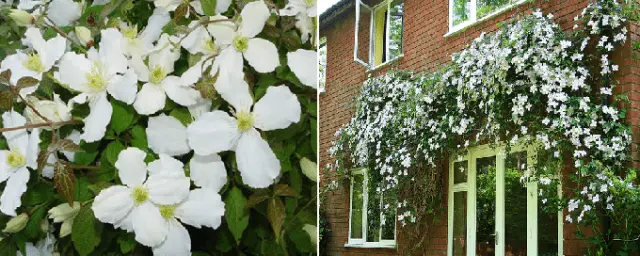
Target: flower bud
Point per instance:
(21, 18)
(309, 168)
(312, 231)
(17, 223)
(65, 228)
(84, 35)
(55, 111)
(64, 212)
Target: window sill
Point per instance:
(370, 246)
(462, 27)
(383, 65)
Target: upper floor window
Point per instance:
(384, 23)
(369, 224)
(322, 62)
(463, 13)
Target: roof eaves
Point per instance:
(335, 11)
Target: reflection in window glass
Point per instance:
(373, 215)
(357, 202)
(486, 7)
(396, 24)
(461, 11)
(460, 223)
(460, 172)
(547, 226)
(485, 205)
(389, 221)
(516, 205)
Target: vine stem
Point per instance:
(37, 126)
(65, 35)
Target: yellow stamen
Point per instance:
(167, 211)
(130, 32)
(245, 121)
(95, 79)
(210, 46)
(241, 43)
(157, 75)
(34, 63)
(16, 159)
(140, 194)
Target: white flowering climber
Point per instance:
(134, 206)
(217, 131)
(101, 72)
(304, 11)
(172, 5)
(36, 62)
(141, 43)
(22, 153)
(304, 64)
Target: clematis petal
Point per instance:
(214, 132)
(194, 40)
(55, 48)
(208, 171)
(5, 169)
(257, 163)
(156, 22)
(235, 90)
(131, 166)
(112, 51)
(48, 171)
(113, 204)
(15, 62)
(262, 55)
(178, 241)
(181, 94)
(63, 12)
(95, 124)
(254, 16)
(167, 135)
(222, 6)
(222, 31)
(203, 106)
(150, 99)
(33, 148)
(72, 70)
(34, 37)
(137, 63)
(16, 186)
(124, 87)
(303, 63)
(167, 165)
(150, 227)
(193, 74)
(168, 188)
(125, 223)
(278, 109)
(19, 139)
(203, 207)
(75, 137)
(165, 58)
(167, 5)
(229, 61)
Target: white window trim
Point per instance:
(362, 242)
(470, 187)
(455, 29)
(373, 11)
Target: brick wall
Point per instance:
(425, 48)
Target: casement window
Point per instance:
(322, 59)
(463, 13)
(379, 32)
(491, 212)
(369, 225)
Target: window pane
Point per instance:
(485, 205)
(356, 207)
(396, 26)
(389, 218)
(461, 11)
(515, 202)
(486, 7)
(547, 224)
(460, 172)
(373, 215)
(460, 223)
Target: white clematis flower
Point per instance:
(216, 131)
(308, 8)
(141, 43)
(166, 135)
(55, 111)
(22, 153)
(261, 54)
(133, 207)
(304, 64)
(34, 64)
(103, 72)
(159, 84)
(171, 5)
(200, 41)
(63, 12)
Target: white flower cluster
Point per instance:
(528, 78)
(156, 199)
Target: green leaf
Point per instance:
(209, 7)
(276, 214)
(6, 100)
(65, 181)
(127, 243)
(283, 190)
(112, 151)
(121, 117)
(182, 114)
(32, 230)
(39, 193)
(139, 136)
(301, 239)
(7, 248)
(237, 215)
(5, 77)
(85, 232)
(25, 82)
(257, 197)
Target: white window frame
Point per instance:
(473, 16)
(470, 187)
(323, 43)
(372, 10)
(362, 242)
